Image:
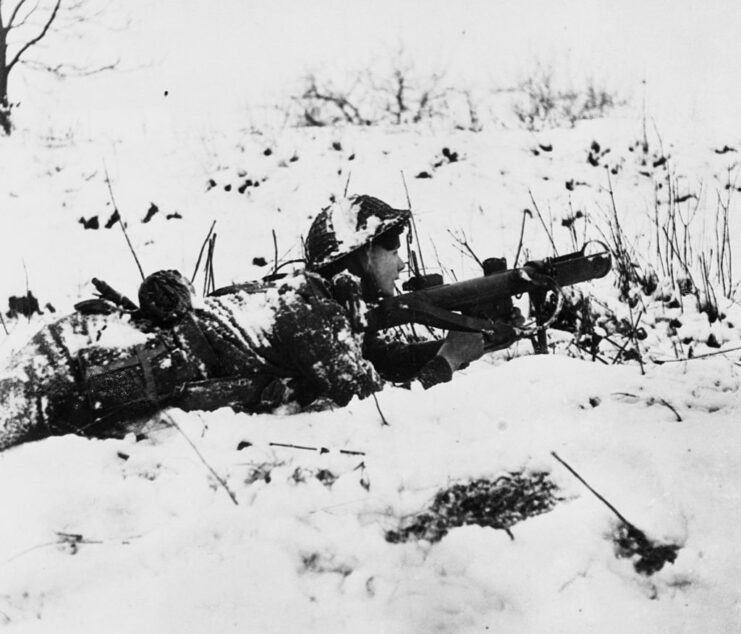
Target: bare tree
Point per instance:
(23, 26)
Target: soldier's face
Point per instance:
(384, 266)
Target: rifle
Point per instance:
(484, 304)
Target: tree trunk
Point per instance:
(4, 103)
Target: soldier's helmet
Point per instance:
(347, 225)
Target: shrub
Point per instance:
(542, 104)
(397, 95)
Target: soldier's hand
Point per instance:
(461, 347)
(516, 318)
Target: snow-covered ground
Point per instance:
(212, 524)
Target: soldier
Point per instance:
(297, 342)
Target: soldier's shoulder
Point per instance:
(277, 290)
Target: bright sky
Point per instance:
(211, 54)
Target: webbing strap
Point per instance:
(129, 362)
(145, 362)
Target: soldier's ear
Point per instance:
(364, 259)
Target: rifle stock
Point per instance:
(476, 304)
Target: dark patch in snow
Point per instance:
(326, 477)
(497, 504)
(90, 223)
(153, 209)
(112, 220)
(321, 563)
(572, 184)
(448, 156)
(260, 472)
(596, 153)
(21, 305)
(649, 556)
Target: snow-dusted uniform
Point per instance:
(254, 348)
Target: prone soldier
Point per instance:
(299, 341)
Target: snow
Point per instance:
(166, 542)
(141, 536)
(343, 220)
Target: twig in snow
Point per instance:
(28, 550)
(200, 253)
(462, 241)
(632, 541)
(347, 184)
(364, 480)
(219, 479)
(384, 422)
(586, 484)
(699, 356)
(120, 220)
(542, 221)
(525, 214)
(321, 450)
(414, 224)
(595, 356)
(209, 284)
(670, 406)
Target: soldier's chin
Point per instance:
(387, 292)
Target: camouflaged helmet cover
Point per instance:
(347, 225)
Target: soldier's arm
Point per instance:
(321, 345)
(403, 362)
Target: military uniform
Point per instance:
(252, 348)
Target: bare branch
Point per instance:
(465, 247)
(70, 70)
(219, 479)
(35, 40)
(540, 217)
(14, 15)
